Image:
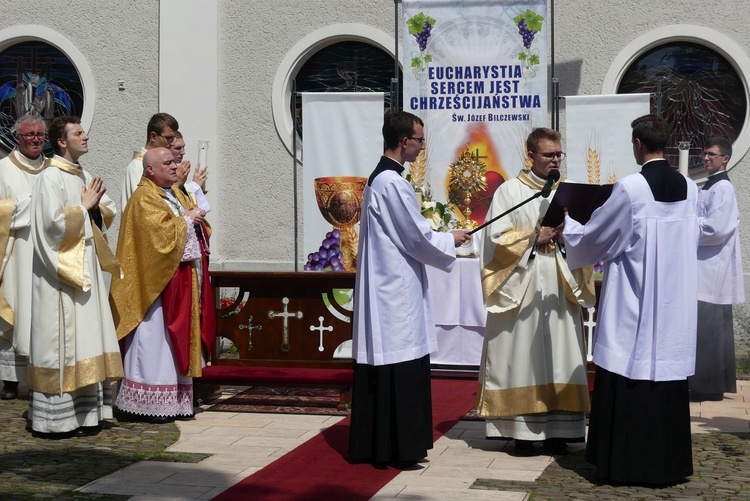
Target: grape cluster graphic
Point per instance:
(420, 27)
(329, 254)
(526, 33)
(423, 35)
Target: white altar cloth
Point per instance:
(455, 302)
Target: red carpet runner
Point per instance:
(319, 470)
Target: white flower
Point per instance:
(429, 204)
(435, 220)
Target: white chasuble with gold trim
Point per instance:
(17, 176)
(73, 341)
(533, 357)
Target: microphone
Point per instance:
(552, 178)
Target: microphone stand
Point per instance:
(532, 197)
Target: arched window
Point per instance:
(340, 57)
(349, 66)
(43, 73)
(704, 84)
(702, 94)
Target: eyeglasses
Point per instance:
(32, 135)
(711, 154)
(420, 140)
(168, 139)
(552, 154)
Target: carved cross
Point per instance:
(590, 324)
(320, 330)
(285, 315)
(250, 327)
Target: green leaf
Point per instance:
(534, 22)
(534, 60)
(427, 58)
(342, 296)
(416, 62)
(522, 56)
(416, 23)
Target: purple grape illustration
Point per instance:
(526, 33)
(328, 257)
(529, 24)
(423, 35)
(420, 27)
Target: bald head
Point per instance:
(159, 167)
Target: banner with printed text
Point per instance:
(476, 73)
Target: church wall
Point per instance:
(257, 170)
(256, 175)
(588, 38)
(119, 42)
(252, 181)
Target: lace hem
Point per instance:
(155, 399)
(192, 248)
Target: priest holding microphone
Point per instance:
(533, 385)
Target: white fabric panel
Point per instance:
(601, 124)
(455, 297)
(342, 137)
(457, 307)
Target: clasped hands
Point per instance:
(199, 176)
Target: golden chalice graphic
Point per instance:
(340, 199)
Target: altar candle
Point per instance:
(202, 153)
(202, 157)
(684, 148)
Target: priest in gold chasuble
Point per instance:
(163, 306)
(74, 355)
(533, 384)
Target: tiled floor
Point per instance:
(242, 444)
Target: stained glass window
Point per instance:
(36, 78)
(702, 95)
(344, 67)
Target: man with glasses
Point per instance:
(533, 384)
(18, 172)
(161, 132)
(720, 280)
(392, 335)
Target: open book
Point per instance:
(581, 200)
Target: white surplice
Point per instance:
(74, 353)
(720, 279)
(391, 318)
(17, 176)
(646, 320)
(720, 285)
(133, 174)
(533, 382)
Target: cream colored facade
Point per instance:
(220, 67)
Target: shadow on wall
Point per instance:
(569, 73)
